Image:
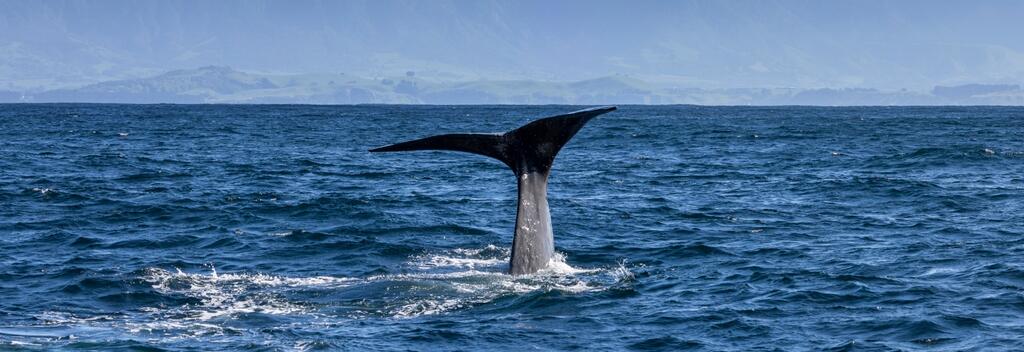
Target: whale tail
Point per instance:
(529, 151)
(530, 148)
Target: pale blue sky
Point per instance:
(708, 44)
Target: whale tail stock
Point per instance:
(529, 151)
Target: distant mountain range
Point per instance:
(218, 84)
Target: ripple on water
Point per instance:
(847, 229)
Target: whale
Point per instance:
(529, 151)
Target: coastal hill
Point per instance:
(219, 84)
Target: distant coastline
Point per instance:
(219, 84)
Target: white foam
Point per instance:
(474, 286)
(444, 261)
(463, 258)
(427, 307)
(477, 251)
(558, 266)
(224, 295)
(449, 281)
(622, 273)
(436, 276)
(161, 278)
(940, 271)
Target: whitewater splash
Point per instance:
(229, 294)
(438, 283)
(443, 282)
(477, 277)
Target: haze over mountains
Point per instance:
(218, 84)
(576, 52)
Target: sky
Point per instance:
(700, 44)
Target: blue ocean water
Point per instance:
(168, 227)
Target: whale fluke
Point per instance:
(484, 144)
(529, 151)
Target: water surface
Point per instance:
(679, 228)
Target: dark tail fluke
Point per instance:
(492, 145)
(530, 148)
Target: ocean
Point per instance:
(270, 227)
